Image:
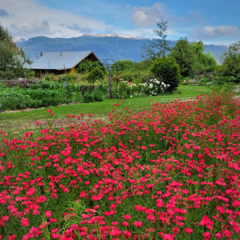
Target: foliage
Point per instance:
(76, 97)
(123, 90)
(204, 80)
(87, 66)
(44, 94)
(157, 47)
(185, 81)
(183, 54)
(7, 39)
(231, 60)
(122, 65)
(167, 70)
(87, 97)
(97, 95)
(222, 84)
(202, 60)
(95, 74)
(142, 66)
(115, 179)
(11, 100)
(11, 58)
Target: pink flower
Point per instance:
(138, 224)
(127, 217)
(168, 237)
(48, 214)
(24, 222)
(188, 231)
(227, 233)
(207, 235)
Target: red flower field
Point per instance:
(172, 172)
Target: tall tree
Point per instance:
(202, 60)
(183, 53)
(11, 57)
(41, 53)
(7, 38)
(231, 60)
(158, 47)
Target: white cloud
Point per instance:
(148, 16)
(78, 28)
(29, 19)
(215, 32)
(31, 27)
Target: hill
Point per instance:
(104, 46)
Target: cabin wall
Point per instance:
(73, 70)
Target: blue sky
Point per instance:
(212, 21)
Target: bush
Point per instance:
(95, 74)
(168, 70)
(204, 80)
(87, 97)
(97, 96)
(211, 69)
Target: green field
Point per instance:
(23, 120)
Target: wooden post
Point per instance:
(109, 87)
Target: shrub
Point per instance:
(211, 69)
(97, 96)
(87, 97)
(168, 70)
(95, 74)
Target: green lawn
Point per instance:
(10, 122)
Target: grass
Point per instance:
(15, 121)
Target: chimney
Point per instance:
(69, 49)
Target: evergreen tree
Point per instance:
(158, 47)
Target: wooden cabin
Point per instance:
(61, 62)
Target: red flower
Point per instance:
(227, 233)
(127, 217)
(176, 230)
(125, 224)
(188, 231)
(168, 237)
(137, 224)
(207, 235)
(24, 222)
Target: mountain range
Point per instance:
(105, 46)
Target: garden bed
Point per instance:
(170, 172)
